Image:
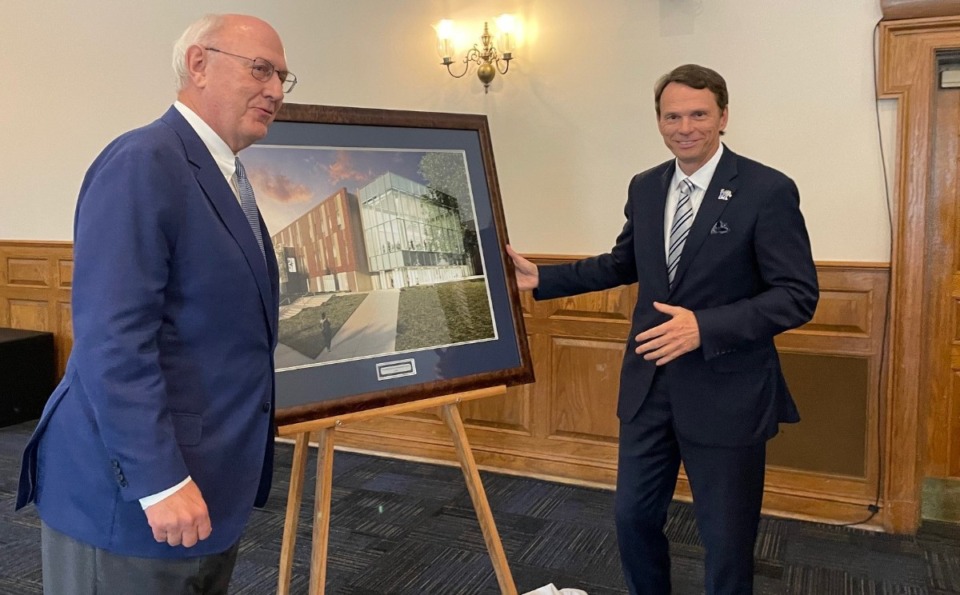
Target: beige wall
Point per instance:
(571, 122)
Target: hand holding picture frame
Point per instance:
(394, 282)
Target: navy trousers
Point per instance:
(727, 486)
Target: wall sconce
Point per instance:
(488, 58)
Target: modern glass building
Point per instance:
(413, 234)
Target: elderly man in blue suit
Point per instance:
(156, 445)
(723, 261)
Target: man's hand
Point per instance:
(668, 341)
(181, 518)
(528, 275)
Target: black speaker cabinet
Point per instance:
(27, 374)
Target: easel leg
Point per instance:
(451, 415)
(321, 513)
(294, 500)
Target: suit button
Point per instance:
(123, 483)
(266, 407)
(115, 463)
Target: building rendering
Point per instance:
(413, 234)
(322, 250)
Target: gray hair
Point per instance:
(198, 33)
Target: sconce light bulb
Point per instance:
(444, 29)
(506, 44)
(445, 49)
(506, 24)
(506, 33)
(445, 34)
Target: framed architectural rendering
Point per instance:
(394, 281)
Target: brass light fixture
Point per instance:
(489, 59)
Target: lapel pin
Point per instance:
(725, 194)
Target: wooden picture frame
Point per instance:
(390, 234)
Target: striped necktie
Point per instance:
(249, 204)
(682, 222)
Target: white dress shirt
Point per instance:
(700, 180)
(225, 158)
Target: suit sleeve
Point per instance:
(788, 279)
(124, 237)
(615, 268)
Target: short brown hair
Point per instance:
(695, 77)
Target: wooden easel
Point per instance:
(321, 508)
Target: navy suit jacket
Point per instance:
(746, 272)
(175, 322)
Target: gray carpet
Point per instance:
(409, 528)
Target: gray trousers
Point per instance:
(74, 568)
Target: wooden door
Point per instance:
(941, 361)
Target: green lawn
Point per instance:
(302, 331)
(431, 315)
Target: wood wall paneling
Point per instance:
(35, 280)
(506, 412)
(29, 314)
(577, 345)
(833, 367)
(28, 272)
(831, 392)
(564, 426)
(584, 384)
(828, 464)
(65, 273)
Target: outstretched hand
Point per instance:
(528, 275)
(668, 341)
(181, 518)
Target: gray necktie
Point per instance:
(249, 204)
(682, 222)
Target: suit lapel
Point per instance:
(221, 196)
(655, 230)
(712, 206)
(649, 204)
(274, 275)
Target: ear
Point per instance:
(196, 59)
(723, 118)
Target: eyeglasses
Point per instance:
(263, 70)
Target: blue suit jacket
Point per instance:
(746, 272)
(171, 374)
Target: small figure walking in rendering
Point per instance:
(325, 332)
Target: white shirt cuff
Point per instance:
(151, 500)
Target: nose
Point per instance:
(685, 127)
(274, 88)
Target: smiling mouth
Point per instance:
(264, 113)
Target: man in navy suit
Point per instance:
(720, 251)
(158, 442)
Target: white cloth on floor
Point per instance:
(551, 590)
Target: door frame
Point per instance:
(907, 73)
